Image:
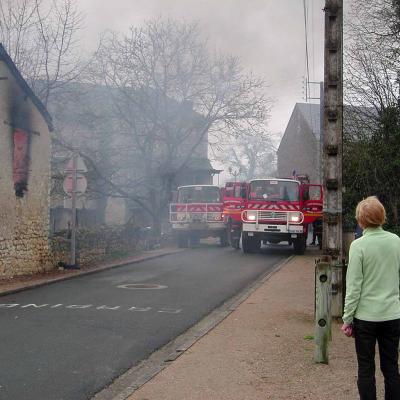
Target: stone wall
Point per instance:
(96, 244)
(26, 252)
(24, 221)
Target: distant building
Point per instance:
(299, 149)
(99, 119)
(25, 152)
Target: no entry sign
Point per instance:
(81, 184)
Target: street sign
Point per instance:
(74, 183)
(80, 165)
(81, 184)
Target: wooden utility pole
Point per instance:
(329, 283)
(333, 148)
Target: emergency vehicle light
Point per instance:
(251, 215)
(296, 217)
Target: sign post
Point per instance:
(72, 260)
(74, 183)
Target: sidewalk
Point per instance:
(25, 282)
(262, 351)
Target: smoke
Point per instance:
(268, 36)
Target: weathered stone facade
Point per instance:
(24, 221)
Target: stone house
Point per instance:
(299, 149)
(25, 151)
(90, 116)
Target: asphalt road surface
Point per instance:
(70, 339)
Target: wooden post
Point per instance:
(323, 317)
(332, 146)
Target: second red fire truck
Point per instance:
(271, 210)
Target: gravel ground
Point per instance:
(262, 351)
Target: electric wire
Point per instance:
(306, 40)
(313, 39)
(308, 90)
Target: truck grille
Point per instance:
(272, 215)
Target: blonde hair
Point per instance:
(370, 212)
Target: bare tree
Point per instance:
(249, 155)
(372, 139)
(168, 95)
(371, 54)
(42, 39)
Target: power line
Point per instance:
(313, 38)
(306, 39)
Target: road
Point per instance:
(68, 340)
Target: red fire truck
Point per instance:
(197, 214)
(273, 210)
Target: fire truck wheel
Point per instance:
(246, 244)
(299, 245)
(182, 241)
(235, 243)
(194, 239)
(223, 239)
(233, 236)
(229, 232)
(250, 244)
(319, 241)
(256, 245)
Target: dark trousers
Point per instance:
(387, 334)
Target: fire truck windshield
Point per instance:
(199, 194)
(274, 190)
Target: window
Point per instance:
(274, 190)
(199, 194)
(315, 192)
(238, 191)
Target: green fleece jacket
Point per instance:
(372, 292)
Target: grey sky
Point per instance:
(268, 35)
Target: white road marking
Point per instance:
(35, 305)
(78, 306)
(139, 309)
(59, 306)
(170, 310)
(142, 286)
(107, 308)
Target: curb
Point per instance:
(89, 272)
(130, 381)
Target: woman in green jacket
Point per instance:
(372, 306)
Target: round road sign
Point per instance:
(81, 184)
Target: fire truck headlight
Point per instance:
(251, 215)
(296, 217)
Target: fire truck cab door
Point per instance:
(312, 201)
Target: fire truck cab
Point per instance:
(235, 201)
(279, 210)
(196, 214)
